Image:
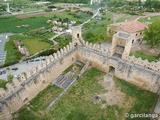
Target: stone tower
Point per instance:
(121, 44)
(76, 35)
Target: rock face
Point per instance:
(141, 73)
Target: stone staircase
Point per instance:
(63, 81)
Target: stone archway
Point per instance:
(111, 70)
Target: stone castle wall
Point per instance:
(143, 77)
(22, 90)
(132, 59)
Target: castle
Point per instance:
(134, 70)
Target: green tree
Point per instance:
(139, 2)
(152, 34)
(2, 6)
(10, 77)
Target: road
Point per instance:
(91, 17)
(52, 38)
(3, 40)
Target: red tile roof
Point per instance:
(130, 26)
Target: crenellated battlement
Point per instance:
(97, 47)
(145, 63)
(17, 82)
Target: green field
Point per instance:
(96, 30)
(144, 56)
(77, 103)
(153, 19)
(13, 55)
(33, 44)
(9, 24)
(122, 19)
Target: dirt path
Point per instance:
(58, 12)
(147, 49)
(113, 96)
(119, 16)
(133, 17)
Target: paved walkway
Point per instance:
(3, 40)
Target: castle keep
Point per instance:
(134, 70)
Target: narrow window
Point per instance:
(77, 35)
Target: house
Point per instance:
(60, 29)
(59, 23)
(72, 22)
(65, 24)
(134, 28)
(49, 21)
(54, 28)
(55, 22)
(54, 9)
(68, 32)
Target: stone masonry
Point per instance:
(134, 70)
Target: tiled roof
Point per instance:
(130, 26)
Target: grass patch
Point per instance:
(77, 103)
(153, 19)
(95, 32)
(63, 41)
(3, 84)
(13, 55)
(39, 104)
(9, 24)
(145, 100)
(33, 44)
(144, 56)
(122, 19)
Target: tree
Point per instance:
(139, 2)
(152, 34)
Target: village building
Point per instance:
(60, 29)
(49, 21)
(59, 23)
(68, 32)
(72, 22)
(54, 22)
(134, 28)
(54, 9)
(54, 28)
(65, 24)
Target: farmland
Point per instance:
(16, 24)
(10, 24)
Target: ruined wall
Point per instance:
(136, 74)
(22, 90)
